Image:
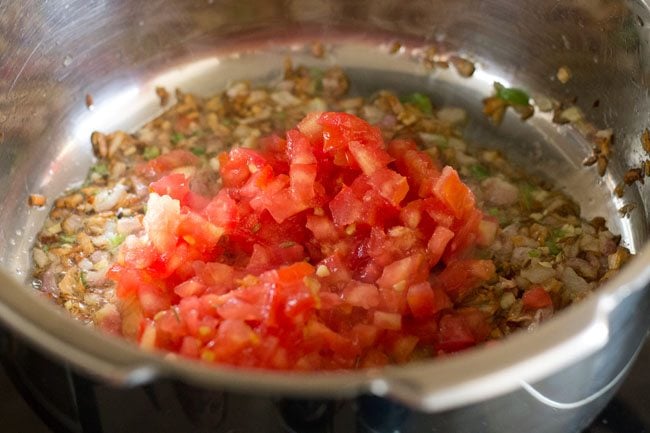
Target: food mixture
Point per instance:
(296, 227)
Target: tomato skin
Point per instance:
(536, 297)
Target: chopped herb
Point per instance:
(499, 215)
(82, 278)
(116, 240)
(150, 152)
(101, 169)
(227, 121)
(317, 75)
(533, 253)
(558, 234)
(176, 137)
(287, 244)
(526, 195)
(479, 172)
(553, 247)
(511, 95)
(420, 101)
(67, 239)
(198, 151)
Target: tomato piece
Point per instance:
(438, 212)
(421, 300)
(384, 320)
(236, 166)
(232, 337)
(375, 359)
(535, 298)
(487, 231)
(191, 287)
(392, 186)
(322, 228)
(369, 156)
(198, 232)
(361, 295)
(302, 177)
(282, 205)
(437, 244)
(465, 237)
(311, 127)
(441, 300)
(339, 129)
(454, 193)
(476, 322)
(404, 272)
(218, 276)
(364, 335)
(411, 214)
(346, 208)
(402, 347)
(174, 185)
(167, 162)
(461, 276)
(299, 149)
(222, 211)
(454, 334)
(415, 165)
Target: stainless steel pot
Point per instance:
(555, 378)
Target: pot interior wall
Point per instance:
(118, 53)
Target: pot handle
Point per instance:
(483, 372)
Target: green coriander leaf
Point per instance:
(150, 153)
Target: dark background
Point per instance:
(628, 412)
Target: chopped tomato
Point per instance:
(346, 208)
(174, 185)
(454, 193)
(461, 276)
(536, 297)
(454, 334)
(324, 250)
(421, 300)
(165, 163)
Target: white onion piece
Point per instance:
(500, 192)
(109, 198)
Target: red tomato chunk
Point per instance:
(328, 250)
